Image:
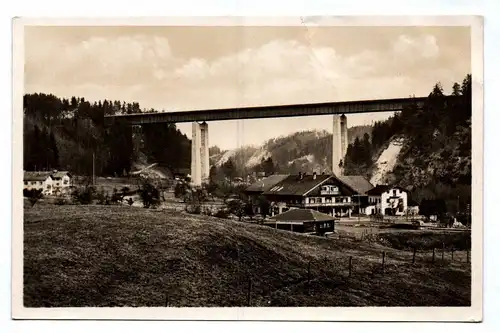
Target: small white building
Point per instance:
(61, 181)
(38, 181)
(387, 200)
(50, 182)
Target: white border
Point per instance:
(474, 313)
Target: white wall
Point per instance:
(399, 194)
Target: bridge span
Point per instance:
(278, 111)
(200, 168)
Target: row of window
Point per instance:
(330, 200)
(65, 182)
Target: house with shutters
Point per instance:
(387, 200)
(327, 194)
(38, 181)
(50, 182)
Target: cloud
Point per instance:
(97, 60)
(144, 68)
(425, 46)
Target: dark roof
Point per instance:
(295, 185)
(60, 174)
(379, 189)
(302, 215)
(36, 176)
(265, 184)
(358, 183)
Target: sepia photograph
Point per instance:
(209, 169)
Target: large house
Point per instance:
(38, 181)
(328, 194)
(255, 190)
(387, 200)
(50, 182)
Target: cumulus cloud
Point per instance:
(144, 68)
(97, 60)
(424, 46)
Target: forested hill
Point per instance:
(62, 133)
(435, 157)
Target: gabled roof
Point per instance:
(295, 185)
(302, 215)
(266, 184)
(60, 174)
(379, 189)
(36, 175)
(358, 183)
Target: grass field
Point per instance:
(129, 256)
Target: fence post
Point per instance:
(414, 253)
(309, 273)
(452, 250)
(166, 299)
(350, 266)
(249, 291)
(433, 254)
(383, 261)
(442, 253)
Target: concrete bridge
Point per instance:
(200, 167)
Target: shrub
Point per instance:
(60, 201)
(193, 208)
(33, 195)
(84, 195)
(150, 195)
(102, 198)
(222, 214)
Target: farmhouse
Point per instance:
(255, 190)
(328, 194)
(38, 181)
(50, 182)
(387, 200)
(62, 181)
(304, 221)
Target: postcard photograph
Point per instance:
(302, 169)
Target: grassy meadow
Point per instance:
(76, 256)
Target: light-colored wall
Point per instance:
(45, 185)
(389, 194)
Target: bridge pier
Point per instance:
(137, 141)
(200, 163)
(339, 143)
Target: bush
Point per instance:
(222, 214)
(150, 195)
(193, 208)
(102, 198)
(33, 195)
(84, 195)
(60, 201)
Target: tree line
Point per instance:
(69, 133)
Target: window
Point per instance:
(65, 182)
(25, 183)
(394, 192)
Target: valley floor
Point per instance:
(128, 256)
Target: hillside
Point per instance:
(127, 256)
(69, 134)
(301, 151)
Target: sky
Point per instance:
(175, 68)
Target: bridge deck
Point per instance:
(347, 107)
